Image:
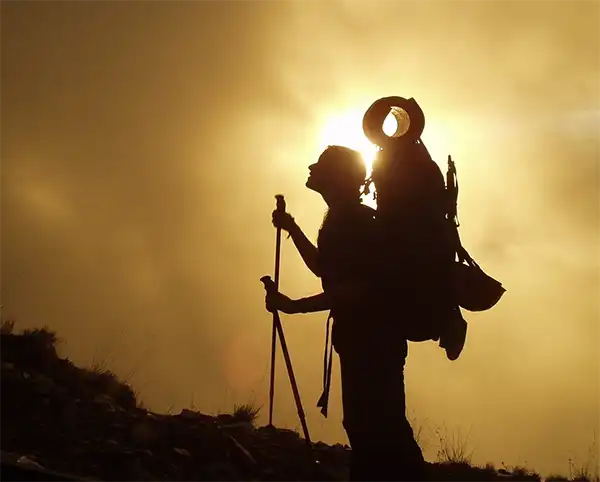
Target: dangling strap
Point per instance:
(327, 365)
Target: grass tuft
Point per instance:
(246, 412)
(590, 470)
(7, 327)
(453, 448)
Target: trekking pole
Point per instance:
(280, 207)
(270, 285)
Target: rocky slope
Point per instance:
(72, 420)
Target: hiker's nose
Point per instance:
(311, 167)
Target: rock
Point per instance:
(219, 471)
(7, 457)
(143, 434)
(105, 400)
(43, 384)
(185, 413)
(337, 473)
(226, 419)
(243, 426)
(268, 471)
(267, 432)
(183, 452)
(287, 435)
(8, 366)
(143, 453)
(29, 463)
(139, 472)
(193, 415)
(247, 457)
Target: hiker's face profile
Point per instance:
(321, 174)
(334, 171)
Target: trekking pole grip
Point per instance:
(280, 203)
(280, 207)
(268, 283)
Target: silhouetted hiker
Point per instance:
(372, 354)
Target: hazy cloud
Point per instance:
(142, 144)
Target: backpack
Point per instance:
(417, 217)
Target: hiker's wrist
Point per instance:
(294, 229)
(301, 305)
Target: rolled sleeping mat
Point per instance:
(409, 117)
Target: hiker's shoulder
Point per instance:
(350, 213)
(358, 217)
(364, 221)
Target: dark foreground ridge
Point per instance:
(59, 419)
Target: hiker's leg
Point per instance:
(351, 411)
(399, 435)
(396, 454)
(382, 440)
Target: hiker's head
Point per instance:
(339, 172)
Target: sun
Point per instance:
(345, 129)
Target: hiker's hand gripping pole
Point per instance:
(269, 286)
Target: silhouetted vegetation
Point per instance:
(453, 448)
(246, 412)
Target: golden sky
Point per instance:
(143, 142)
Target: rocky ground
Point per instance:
(72, 420)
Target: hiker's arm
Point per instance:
(312, 304)
(307, 250)
(276, 301)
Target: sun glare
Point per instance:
(346, 130)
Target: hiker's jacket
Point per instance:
(346, 245)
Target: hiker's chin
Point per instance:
(310, 184)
